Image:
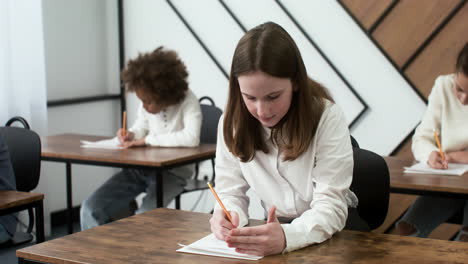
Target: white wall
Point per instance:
(22, 65)
(81, 55)
(81, 48)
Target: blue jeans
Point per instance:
(429, 212)
(4, 235)
(7, 227)
(116, 194)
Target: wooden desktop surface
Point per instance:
(424, 182)
(67, 147)
(9, 199)
(152, 237)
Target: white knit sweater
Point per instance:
(446, 115)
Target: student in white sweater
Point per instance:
(447, 112)
(169, 116)
(283, 137)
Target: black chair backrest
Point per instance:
(211, 115)
(371, 184)
(354, 142)
(18, 119)
(24, 146)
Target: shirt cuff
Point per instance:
(149, 140)
(138, 133)
(294, 239)
(423, 157)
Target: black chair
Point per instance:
(208, 134)
(24, 146)
(354, 143)
(371, 184)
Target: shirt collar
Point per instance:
(267, 132)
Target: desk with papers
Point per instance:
(68, 148)
(426, 182)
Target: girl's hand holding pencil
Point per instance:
(437, 159)
(220, 224)
(223, 220)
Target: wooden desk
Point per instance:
(66, 148)
(16, 201)
(425, 184)
(152, 237)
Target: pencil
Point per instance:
(436, 136)
(220, 203)
(124, 123)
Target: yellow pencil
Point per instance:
(436, 136)
(219, 201)
(124, 123)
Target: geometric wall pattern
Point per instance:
(371, 54)
(421, 38)
(375, 57)
(215, 46)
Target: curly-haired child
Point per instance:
(169, 116)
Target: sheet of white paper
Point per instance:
(212, 246)
(112, 143)
(453, 169)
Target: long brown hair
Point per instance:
(270, 49)
(462, 60)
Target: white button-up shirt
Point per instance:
(312, 190)
(176, 126)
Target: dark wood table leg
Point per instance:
(159, 188)
(40, 237)
(27, 261)
(69, 199)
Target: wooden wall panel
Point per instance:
(445, 231)
(367, 11)
(408, 26)
(440, 55)
(398, 204)
(405, 151)
(403, 31)
(400, 34)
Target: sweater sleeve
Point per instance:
(189, 135)
(140, 127)
(423, 139)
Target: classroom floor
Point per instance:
(8, 255)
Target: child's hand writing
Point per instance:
(135, 143)
(220, 225)
(263, 240)
(125, 138)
